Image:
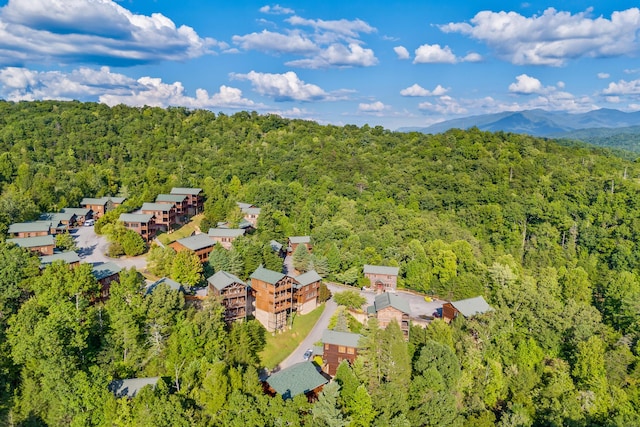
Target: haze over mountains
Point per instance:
(545, 123)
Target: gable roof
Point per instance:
(388, 299)
(131, 386)
(266, 275)
(222, 279)
(77, 211)
(172, 284)
(380, 269)
(30, 227)
(162, 207)
(186, 190)
(299, 239)
(307, 278)
(244, 206)
(251, 211)
(226, 232)
(57, 217)
(135, 217)
(300, 378)
(347, 339)
(472, 306)
(173, 198)
(105, 269)
(197, 242)
(94, 201)
(33, 242)
(276, 246)
(69, 257)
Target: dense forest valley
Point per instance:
(548, 234)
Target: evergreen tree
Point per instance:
(326, 411)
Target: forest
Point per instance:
(547, 233)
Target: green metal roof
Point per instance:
(299, 239)
(162, 207)
(267, 275)
(105, 269)
(346, 339)
(173, 198)
(472, 306)
(186, 190)
(135, 217)
(172, 284)
(380, 269)
(32, 242)
(226, 232)
(222, 279)
(57, 217)
(307, 278)
(77, 211)
(388, 299)
(68, 257)
(197, 242)
(297, 379)
(30, 227)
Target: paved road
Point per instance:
(92, 249)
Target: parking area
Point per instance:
(92, 248)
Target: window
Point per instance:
(350, 350)
(326, 346)
(341, 349)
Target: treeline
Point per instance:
(549, 234)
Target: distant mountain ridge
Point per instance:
(539, 122)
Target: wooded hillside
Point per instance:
(548, 234)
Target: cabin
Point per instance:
(61, 222)
(250, 213)
(171, 284)
(29, 229)
(294, 241)
(225, 236)
(105, 274)
(388, 307)
(130, 387)
(305, 291)
(42, 245)
(195, 199)
(277, 248)
(143, 224)
(82, 214)
(102, 205)
(233, 294)
(336, 347)
(273, 294)
(200, 244)
(301, 378)
(164, 213)
(70, 258)
(468, 308)
(381, 278)
(179, 201)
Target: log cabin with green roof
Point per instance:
(273, 295)
(225, 236)
(164, 213)
(233, 294)
(179, 201)
(305, 291)
(301, 378)
(143, 224)
(102, 205)
(42, 245)
(70, 258)
(381, 278)
(29, 229)
(195, 199)
(338, 346)
(389, 307)
(200, 244)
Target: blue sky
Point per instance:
(394, 64)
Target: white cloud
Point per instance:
(417, 90)
(603, 75)
(338, 55)
(374, 107)
(342, 27)
(402, 52)
(428, 53)
(17, 84)
(473, 57)
(526, 85)
(268, 41)
(553, 37)
(623, 87)
(277, 10)
(283, 87)
(98, 31)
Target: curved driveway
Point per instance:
(92, 249)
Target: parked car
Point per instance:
(89, 222)
(308, 354)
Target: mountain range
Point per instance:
(543, 123)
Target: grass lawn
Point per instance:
(280, 345)
(184, 231)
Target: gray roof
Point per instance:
(380, 269)
(102, 200)
(57, 217)
(226, 232)
(117, 200)
(244, 206)
(30, 227)
(77, 211)
(251, 211)
(32, 242)
(185, 190)
(172, 284)
(276, 246)
(173, 198)
(131, 386)
(135, 217)
(244, 224)
(105, 269)
(267, 275)
(297, 379)
(197, 242)
(472, 306)
(163, 207)
(308, 278)
(389, 299)
(69, 257)
(299, 239)
(347, 339)
(222, 279)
